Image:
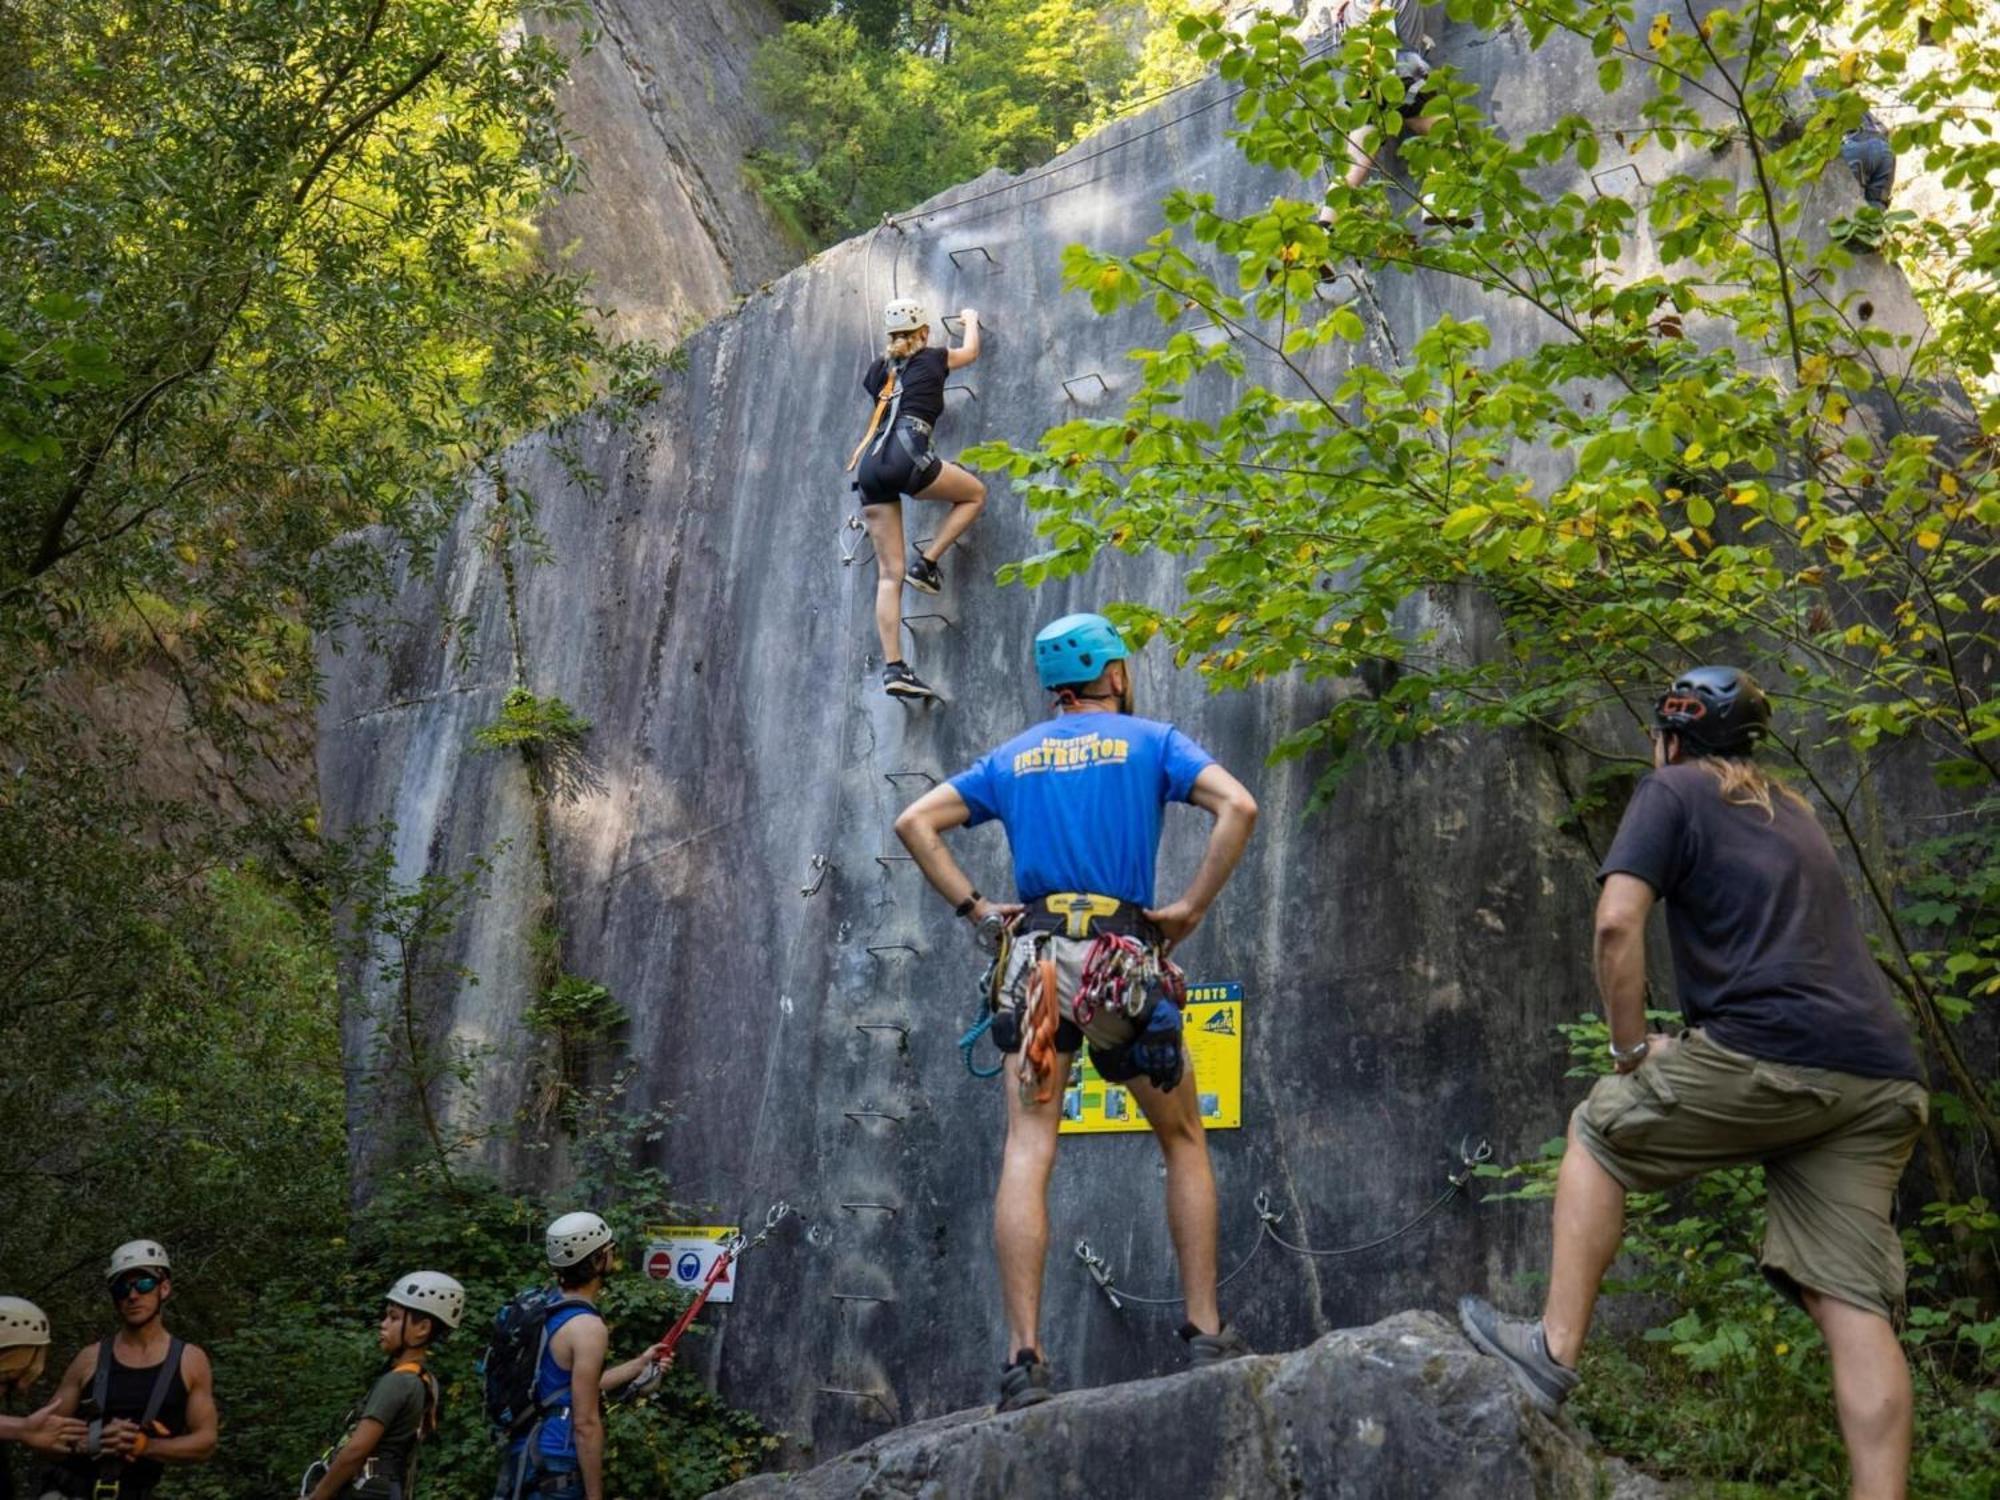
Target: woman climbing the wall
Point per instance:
(895, 458)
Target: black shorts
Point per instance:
(898, 463)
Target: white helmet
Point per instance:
(431, 1293)
(574, 1236)
(904, 315)
(21, 1322)
(138, 1255)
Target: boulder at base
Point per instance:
(1405, 1408)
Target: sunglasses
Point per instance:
(133, 1286)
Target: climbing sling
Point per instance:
(888, 401)
(371, 1483)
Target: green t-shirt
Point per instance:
(399, 1401)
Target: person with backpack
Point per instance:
(1795, 1058)
(24, 1353)
(378, 1459)
(896, 458)
(1084, 955)
(147, 1398)
(545, 1373)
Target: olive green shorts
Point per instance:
(1832, 1145)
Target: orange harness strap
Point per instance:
(881, 405)
(1038, 1052)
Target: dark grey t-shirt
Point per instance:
(1768, 953)
(399, 1401)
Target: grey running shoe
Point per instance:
(922, 573)
(1214, 1348)
(1518, 1343)
(1026, 1382)
(898, 681)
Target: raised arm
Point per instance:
(968, 349)
(922, 826)
(1229, 802)
(1620, 957)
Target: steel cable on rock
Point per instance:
(1470, 1157)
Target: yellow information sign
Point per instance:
(1213, 1026)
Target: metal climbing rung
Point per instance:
(879, 949)
(858, 1297)
(820, 865)
(1069, 386)
(968, 251)
(960, 385)
(896, 1026)
(858, 1115)
(892, 777)
(880, 1398)
(886, 860)
(888, 1208)
(931, 614)
(1623, 179)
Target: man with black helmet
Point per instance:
(1795, 1058)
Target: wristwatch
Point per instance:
(964, 908)
(1633, 1055)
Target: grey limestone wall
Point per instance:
(1404, 953)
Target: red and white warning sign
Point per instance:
(685, 1254)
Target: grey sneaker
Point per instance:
(1025, 1382)
(898, 681)
(1518, 1343)
(1214, 1348)
(922, 573)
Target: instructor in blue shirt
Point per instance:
(1083, 955)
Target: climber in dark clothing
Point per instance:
(1084, 960)
(896, 458)
(149, 1398)
(1796, 1059)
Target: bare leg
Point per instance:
(1871, 1391)
(885, 530)
(1021, 1207)
(1360, 162)
(966, 492)
(1176, 1121)
(1590, 1223)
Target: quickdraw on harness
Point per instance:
(111, 1468)
(732, 1248)
(889, 401)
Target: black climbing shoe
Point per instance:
(1026, 1382)
(1519, 1344)
(922, 574)
(898, 681)
(1214, 1348)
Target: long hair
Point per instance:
(1744, 783)
(903, 345)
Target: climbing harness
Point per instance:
(1469, 1158)
(732, 1248)
(111, 1470)
(889, 400)
(371, 1473)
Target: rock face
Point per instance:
(1405, 1408)
(723, 860)
(663, 114)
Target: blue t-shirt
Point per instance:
(1081, 798)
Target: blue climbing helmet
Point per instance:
(1076, 649)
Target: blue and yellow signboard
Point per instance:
(1213, 1026)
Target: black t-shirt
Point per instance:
(922, 383)
(1768, 953)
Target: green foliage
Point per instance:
(574, 1007)
(880, 106)
(1696, 441)
(535, 726)
(1733, 1387)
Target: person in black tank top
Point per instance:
(24, 1353)
(148, 1398)
(896, 458)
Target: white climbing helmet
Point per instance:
(574, 1236)
(431, 1293)
(138, 1255)
(22, 1323)
(904, 315)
